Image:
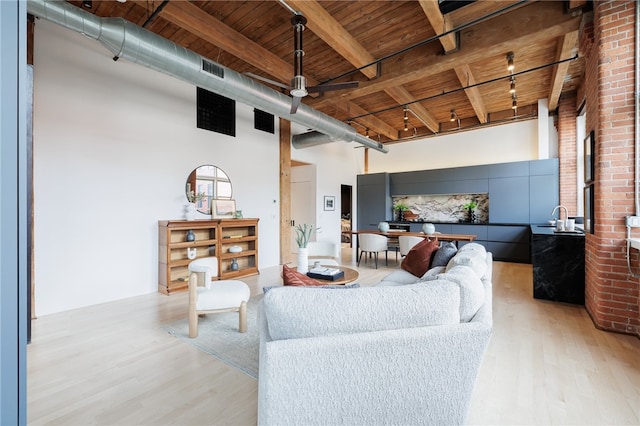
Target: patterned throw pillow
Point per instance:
(418, 260)
(292, 277)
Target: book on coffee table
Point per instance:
(324, 273)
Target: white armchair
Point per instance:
(214, 296)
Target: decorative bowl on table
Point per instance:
(235, 249)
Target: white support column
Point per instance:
(543, 129)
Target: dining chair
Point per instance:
(373, 243)
(406, 242)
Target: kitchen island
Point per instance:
(558, 264)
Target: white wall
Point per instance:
(489, 145)
(114, 143)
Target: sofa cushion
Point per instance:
(312, 312)
(475, 259)
(292, 277)
(398, 277)
(418, 260)
(268, 288)
(444, 254)
(432, 273)
(472, 293)
(475, 247)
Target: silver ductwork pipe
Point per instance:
(313, 138)
(136, 44)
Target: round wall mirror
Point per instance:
(207, 183)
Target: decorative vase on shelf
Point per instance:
(190, 235)
(303, 260)
(190, 211)
(234, 264)
(383, 227)
(429, 228)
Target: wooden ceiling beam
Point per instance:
(334, 34)
(484, 40)
(566, 47)
(191, 18)
(403, 97)
(440, 24)
(473, 93)
(371, 122)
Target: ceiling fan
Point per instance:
(298, 88)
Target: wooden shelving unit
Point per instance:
(212, 238)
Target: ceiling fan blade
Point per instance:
(295, 102)
(333, 86)
(267, 80)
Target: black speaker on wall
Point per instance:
(216, 112)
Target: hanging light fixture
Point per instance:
(514, 102)
(366, 133)
(510, 66)
(406, 118)
(512, 86)
(453, 115)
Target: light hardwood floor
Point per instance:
(112, 364)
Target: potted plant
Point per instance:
(303, 235)
(401, 208)
(470, 207)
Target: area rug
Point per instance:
(219, 337)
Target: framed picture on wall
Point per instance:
(589, 147)
(329, 202)
(588, 209)
(223, 209)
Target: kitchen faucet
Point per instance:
(566, 212)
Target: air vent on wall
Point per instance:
(216, 112)
(263, 121)
(212, 68)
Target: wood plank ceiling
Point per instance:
(428, 57)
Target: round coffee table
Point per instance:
(350, 275)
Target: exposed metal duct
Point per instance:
(136, 44)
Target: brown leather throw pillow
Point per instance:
(292, 277)
(418, 260)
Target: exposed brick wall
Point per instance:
(567, 152)
(611, 293)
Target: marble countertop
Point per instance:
(409, 222)
(550, 230)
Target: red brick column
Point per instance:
(611, 293)
(567, 152)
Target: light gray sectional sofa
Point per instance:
(393, 354)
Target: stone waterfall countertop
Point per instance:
(550, 230)
(558, 265)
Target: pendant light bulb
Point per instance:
(510, 66)
(512, 86)
(453, 115)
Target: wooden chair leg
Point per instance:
(243, 317)
(360, 257)
(193, 322)
(375, 256)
